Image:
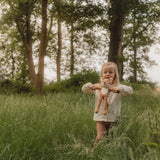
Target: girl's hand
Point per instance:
(93, 87)
(115, 90)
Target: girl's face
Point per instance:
(108, 72)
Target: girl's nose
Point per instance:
(107, 73)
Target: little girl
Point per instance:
(109, 74)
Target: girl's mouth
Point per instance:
(110, 78)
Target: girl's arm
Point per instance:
(125, 90)
(88, 88)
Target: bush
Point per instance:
(8, 86)
(74, 83)
(140, 86)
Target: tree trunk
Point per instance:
(27, 42)
(72, 51)
(58, 60)
(31, 67)
(13, 66)
(121, 66)
(116, 37)
(119, 10)
(134, 60)
(42, 49)
(135, 67)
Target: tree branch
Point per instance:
(21, 33)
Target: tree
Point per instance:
(59, 53)
(22, 17)
(79, 16)
(42, 49)
(14, 64)
(118, 11)
(57, 7)
(20, 13)
(140, 32)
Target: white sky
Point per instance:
(154, 71)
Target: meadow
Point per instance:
(60, 126)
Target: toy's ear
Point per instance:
(105, 84)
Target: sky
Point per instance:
(154, 71)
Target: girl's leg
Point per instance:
(101, 128)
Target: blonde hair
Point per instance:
(114, 65)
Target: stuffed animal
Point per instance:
(104, 89)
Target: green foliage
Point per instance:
(139, 34)
(14, 62)
(74, 83)
(141, 85)
(10, 87)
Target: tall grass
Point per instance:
(60, 127)
(137, 136)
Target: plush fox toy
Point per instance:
(104, 89)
